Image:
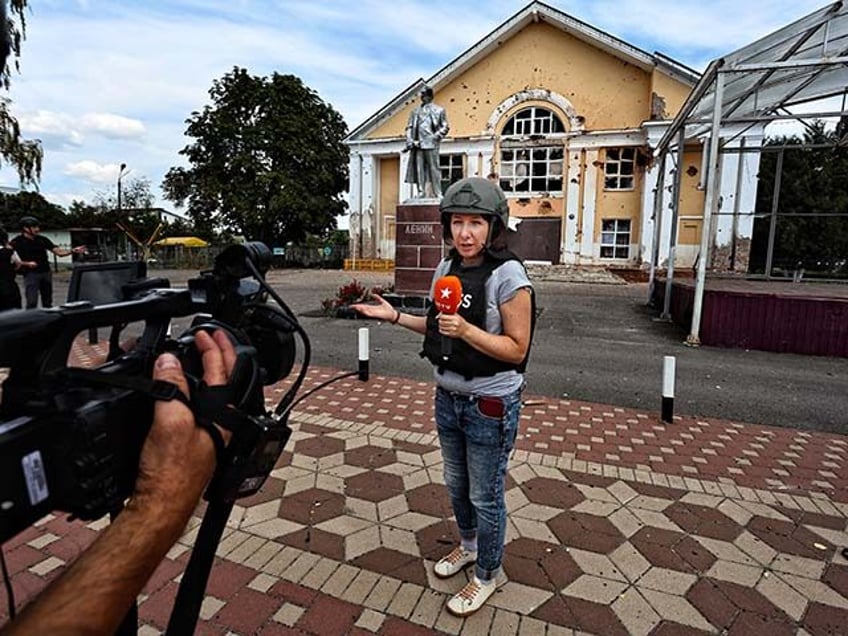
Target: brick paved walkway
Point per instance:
(618, 524)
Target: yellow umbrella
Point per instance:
(184, 241)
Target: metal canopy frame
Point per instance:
(800, 66)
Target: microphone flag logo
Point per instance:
(448, 294)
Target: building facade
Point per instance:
(565, 116)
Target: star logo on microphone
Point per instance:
(446, 293)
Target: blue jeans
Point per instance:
(475, 450)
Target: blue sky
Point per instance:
(105, 82)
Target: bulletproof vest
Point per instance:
(465, 359)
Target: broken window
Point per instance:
(619, 169)
(615, 238)
(537, 169)
(531, 158)
(533, 121)
(451, 167)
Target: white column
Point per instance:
(355, 203)
(646, 231)
(648, 228)
(590, 185)
(368, 189)
(404, 189)
(570, 226)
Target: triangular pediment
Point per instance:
(533, 13)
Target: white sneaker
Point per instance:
(472, 597)
(454, 562)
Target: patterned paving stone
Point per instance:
(311, 506)
(430, 499)
(822, 620)
(703, 521)
(672, 550)
(836, 576)
(670, 628)
(370, 457)
(787, 537)
(437, 540)
(807, 518)
(329, 616)
(320, 446)
(357, 510)
(538, 564)
(246, 611)
(318, 541)
(587, 532)
(403, 567)
(635, 613)
(553, 493)
(578, 614)
(747, 623)
(660, 492)
(374, 486)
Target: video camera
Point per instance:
(70, 439)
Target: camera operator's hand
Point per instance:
(177, 460)
(178, 457)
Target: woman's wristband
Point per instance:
(396, 318)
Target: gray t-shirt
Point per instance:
(501, 287)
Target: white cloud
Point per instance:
(66, 198)
(109, 82)
(112, 126)
(64, 131)
(52, 128)
(92, 171)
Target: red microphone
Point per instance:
(447, 297)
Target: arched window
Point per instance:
(533, 121)
(531, 161)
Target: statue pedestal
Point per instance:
(418, 245)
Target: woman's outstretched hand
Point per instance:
(381, 311)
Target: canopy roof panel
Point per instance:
(803, 62)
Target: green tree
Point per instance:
(136, 212)
(25, 155)
(267, 161)
(812, 225)
(15, 206)
(82, 214)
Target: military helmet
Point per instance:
(29, 221)
(474, 195)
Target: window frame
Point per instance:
(615, 169)
(614, 233)
(532, 158)
(450, 159)
(540, 121)
(525, 165)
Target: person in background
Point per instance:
(33, 249)
(479, 384)
(10, 262)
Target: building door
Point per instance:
(537, 240)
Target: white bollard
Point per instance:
(669, 364)
(363, 353)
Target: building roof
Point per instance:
(533, 12)
(801, 63)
